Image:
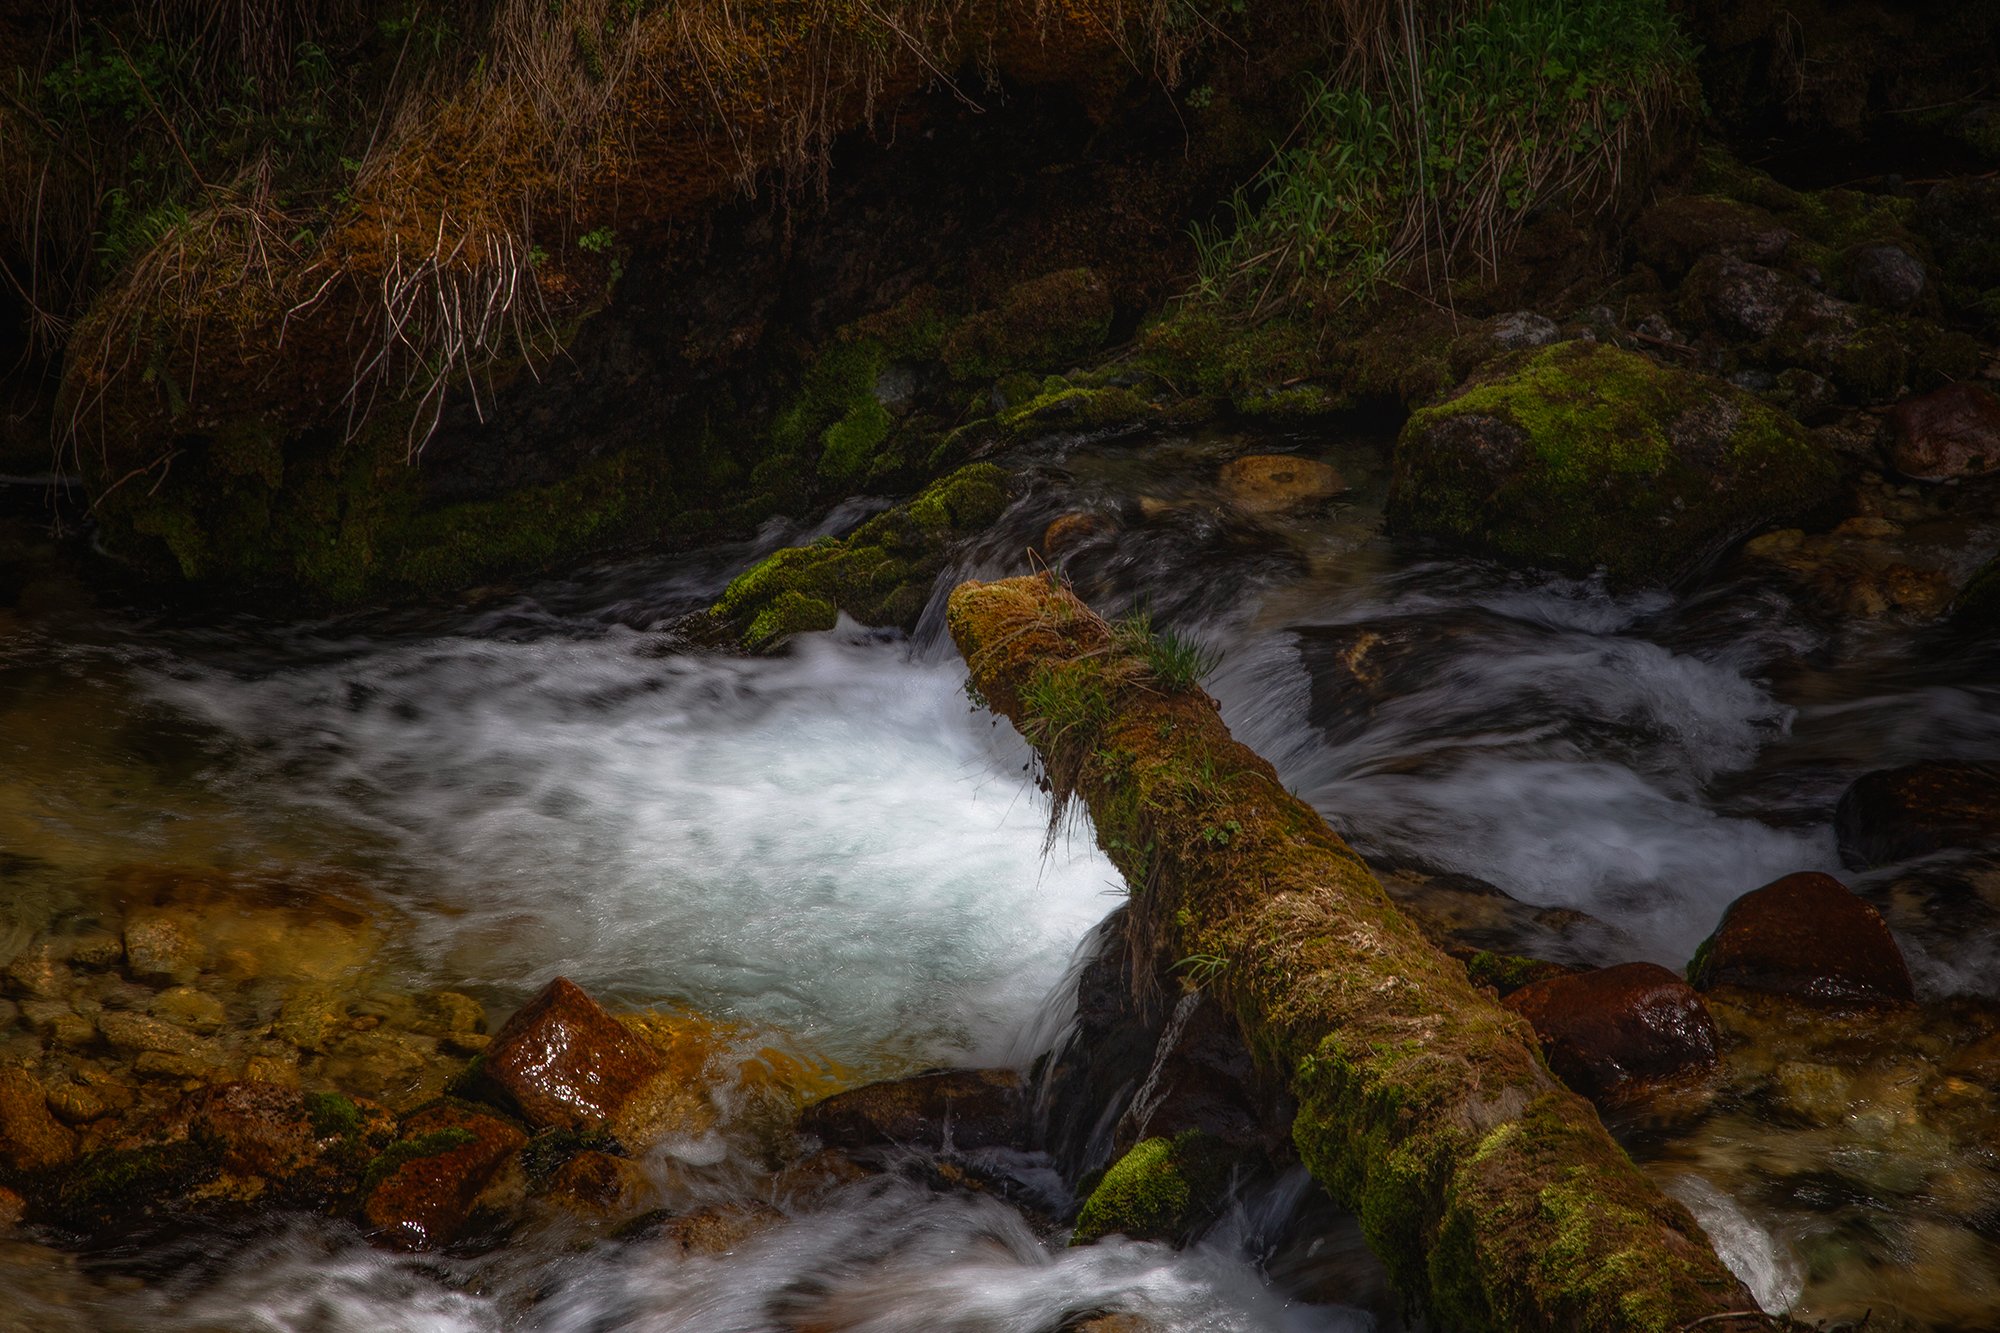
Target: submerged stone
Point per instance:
(1585, 456)
(962, 1109)
(1273, 483)
(31, 1139)
(1631, 1024)
(565, 1061)
(1895, 814)
(1807, 936)
(1949, 432)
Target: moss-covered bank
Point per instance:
(1490, 1191)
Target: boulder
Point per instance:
(1887, 277)
(31, 1139)
(421, 1191)
(1584, 456)
(1895, 814)
(1807, 936)
(1073, 529)
(565, 1061)
(1607, 1030)
(1947, 433)
(1273, 483)
(960, 1109)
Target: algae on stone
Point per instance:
(880, 574)
(1491, 1192)
(1584, 456)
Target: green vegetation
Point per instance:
(1482, 119)
(1163, 1189)
(399, 1154)
(1177, 663)
(1583, 456)
(880, 574)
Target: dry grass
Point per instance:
(490, 174)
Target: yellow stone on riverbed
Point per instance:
(1273, 483)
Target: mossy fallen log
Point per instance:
(1491, 1192)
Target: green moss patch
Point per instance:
(881, 573)
(1041, 324)
(1163, 1189)
(1584, 456)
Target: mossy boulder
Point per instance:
(1584, 456)
(1163, 1189)
(880, 574)
(1042, 324)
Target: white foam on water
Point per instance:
(1753, 1252)
(832, 842)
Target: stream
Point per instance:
(832, 853)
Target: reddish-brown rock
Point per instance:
(31, 1139)
(962, 1109)
(565, 1061)
(1894, 814)
(1616, 1027)
(1806, 935)
(1949, 432)
(421, 1191)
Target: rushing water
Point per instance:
(833, 846)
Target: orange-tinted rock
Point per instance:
(1271, 483)
(962, 1109)
(1071, 529)
(1617, 1026)
(1895, 814)
(1807, 936)
(565, 1061)
(31, 1139)
(720, 1229)
(12, 1206)
(263, 1128)
(597, 1182)
(420, 1192)
(1949, 432)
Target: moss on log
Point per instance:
(1491, 1192)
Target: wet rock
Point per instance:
(1041, 324)
(1805, 936)
(1163, 1189)
(1895, 814)
(75, 1104)
(718, 1230)
(1605, 1030)
(56, 1023)
(136, 1033)
(1887, 277)
(565, 1061)
(421, 1191)
(41, 971)
(96, 949)
(598, 1183)
(1273, 483)
(1949, 432)
(186, 1007)
(162, 947)
(961, 1109)
(1073, 529)
(1586, 456)
(12, 1208)
(310, 1018)
(298, 1144)
(31, 1139)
